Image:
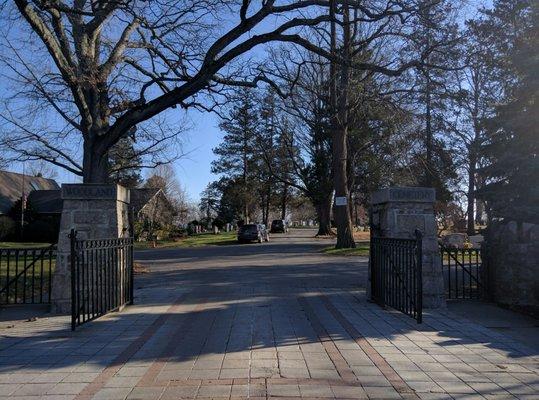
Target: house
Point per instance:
(152, 205)
(146, 204)
(46, 202)
(14, 185)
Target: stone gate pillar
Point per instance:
(397, 212)
(95, 211)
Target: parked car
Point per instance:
(252, 232)
(279, 226)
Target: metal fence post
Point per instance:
(131, 272)
(72, 256)
(371, 269)
(419, 266)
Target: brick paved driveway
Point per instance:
(262, 321)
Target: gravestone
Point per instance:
(95, 211)
(397, 212)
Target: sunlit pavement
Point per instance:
(272, 320)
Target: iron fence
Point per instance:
(26, 275)
(464, 273)
(396, 274)
(101, 277)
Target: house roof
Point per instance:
(46, 201)
(141, 197)
(13, 184)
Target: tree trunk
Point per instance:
(345, 238)
(267, 207)
(323, 210)
(95, 166)
(284, 200)
(470, 215)
(429, 180)
(479, 212)
(245, 212)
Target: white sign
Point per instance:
(340, 201)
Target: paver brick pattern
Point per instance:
(265, 321)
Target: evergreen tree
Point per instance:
(267, 136)
(512, 171)
(209, 201)
(435, 38)
(286, 152)
(231, 208)
(237, 153)
(311, 151)
(125, 164)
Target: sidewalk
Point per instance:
(517, 326)
(251, 331)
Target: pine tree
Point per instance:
(209, 201)
(435, 36)
(512, 151)
(267, 136)
(237, 153)
(124, 164)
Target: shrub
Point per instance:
(7, 228)
(177, 233)
(138, 229)
(219, 223)
(29, 213)
(44, 230)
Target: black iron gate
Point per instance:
(101, 277)
(396, 274)
(464, 273)
(26, 275)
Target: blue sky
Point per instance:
(193, 170)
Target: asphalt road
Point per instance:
(292, 260)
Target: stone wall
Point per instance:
(396, 213)
(95, 212)
(512, 259)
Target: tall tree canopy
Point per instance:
(104, 68)
(512, 147)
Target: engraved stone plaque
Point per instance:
(404, 194)
(410, 222)
(80, 191)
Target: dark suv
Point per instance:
(251, 233)
(278, 226)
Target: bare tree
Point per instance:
(476, 92)
(164, 177)
(303, 158)
(377, 44)
(42, 169)
(106, 67)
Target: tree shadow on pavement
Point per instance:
(197, 303)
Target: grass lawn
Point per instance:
(29, 283)
(19, 245)
(203, 239)
(473, 258)
(362, 249)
